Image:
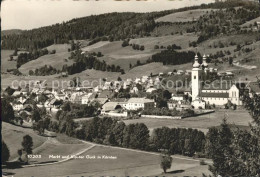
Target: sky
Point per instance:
(29, 14)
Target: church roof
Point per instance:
(218, 86)
(214, 95)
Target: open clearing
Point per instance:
(128, 162)
(203, 123)
(186, 16)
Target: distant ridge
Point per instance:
(11, 31)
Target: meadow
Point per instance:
(128, 162)
(238, 117)
(185, 16)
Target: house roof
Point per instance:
(226, 85)
(101, 100)
(109, 106)
(105, 94)
(214, 95)
(120, 100)
(140, 100)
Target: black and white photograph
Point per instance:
(130, 88)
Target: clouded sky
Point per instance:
(28, 14)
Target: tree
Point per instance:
(125, 43)
(20, 153)
(31, 72)
(230, 61)
(36, 115)
(166, 94)
(9, 90)
(5, 153)
(166, 161)
(7, 112)
(221, 150)
(27, 145)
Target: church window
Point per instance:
(194, 77)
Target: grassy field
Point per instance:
(55, 80)
(238, 117)
(115, 54)
(154, 68)
(55, 60)
(128, 162)
(44, 146)
(5, 63)
(180, 40)
(13, 137)
(186, 16)
(56, 148)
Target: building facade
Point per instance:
(217, 92)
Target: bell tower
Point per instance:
(196, 78)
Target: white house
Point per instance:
(85, 98)
(177, 97)
(139, 103)
(198, 104)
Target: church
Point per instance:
(215, 93)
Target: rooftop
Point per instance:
(214, 95)
(140, 100)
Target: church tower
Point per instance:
(196, 78)
(205, 64)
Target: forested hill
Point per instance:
(112, 26)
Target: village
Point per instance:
(123, 98)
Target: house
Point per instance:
(137, 80)
(145, 79)
(110, 106)
(106, 94)
(64, 74)
(17, 93)
(198, 104)
(85, 98)
(17, 105)
(188, 72)
(161, 74)
(139, 103)
(177, 97)
(101, 101)
(76, 98)
(107, 85)
(180, 72)
(134, 90)
(54, 103)
(150, 90)
(179, 105)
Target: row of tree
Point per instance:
(171, 57)
(236, 152)
(28, 56)
(83, 62)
